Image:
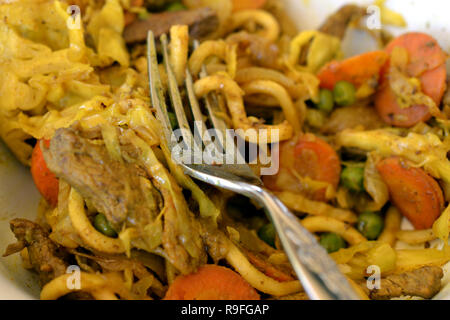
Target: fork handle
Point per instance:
(317, 272)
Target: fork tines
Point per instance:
(202, 138)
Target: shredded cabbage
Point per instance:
(374, 184)
(425, 150)
(441, 226)
(358, 257)
(390, 17)
(322, 49)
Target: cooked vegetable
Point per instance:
(45, 180)
(211, 282)
(357, 70)
(248, 4)
(370, 224)
(424, 52)
(102, 225)
(426, 63)
(416, 194)
(374, 184)
(326, 100)
(352, 177)
(268, 234)
(344, 93)
(314, 48)
(317, 159)
(388, 16)
(410, 259)
(441, 227)
(427, 150)
(308, 165)
(357, 258)
(315, 118)
(332, 242)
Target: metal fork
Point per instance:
(317, 272)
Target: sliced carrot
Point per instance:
(306, 156)
(46, 182)
(357, 70)
(435, 81)
(416, 194)
(424, 52)
(433, 85)
(247, 4)
(211, 282)
(426, 62)
(324, 166)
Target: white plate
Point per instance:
(19, 197)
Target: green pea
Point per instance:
(315, 118)
(332, 242)
(353, 178)
(102, 225)
(344, 93)
(326, 100)
(175, 6)
(267, 233)
(370, 224)
(173, 120)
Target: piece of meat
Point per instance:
(337, 23)
(424, 282)
(216, 242)
(46, 257)
(130, 195)
(114, 188)
(201, 22)
(351, 117)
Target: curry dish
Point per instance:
(364, 143)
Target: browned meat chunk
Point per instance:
(46, 257)
(201, 22)
(114, 188)
(424, 282)
(127, 193)
(337, 24)
(352, 117)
